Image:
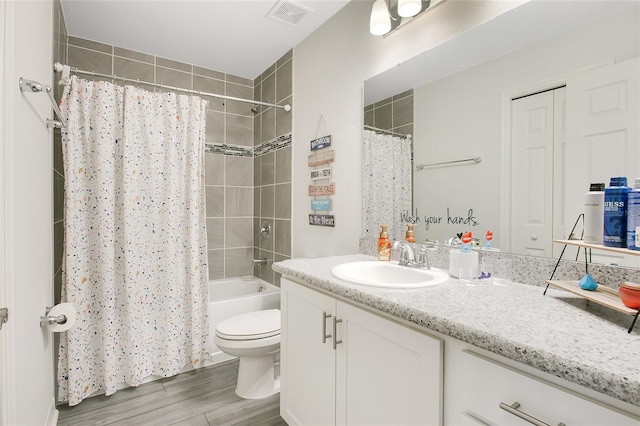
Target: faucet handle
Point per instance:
(422, 256)
(407, 256)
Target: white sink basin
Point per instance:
(388, 274)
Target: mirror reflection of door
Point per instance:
(537, 132)
(603, 116)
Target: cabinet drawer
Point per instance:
(485, 383)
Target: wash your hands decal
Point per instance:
(449, 219)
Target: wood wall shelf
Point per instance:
(602, 295)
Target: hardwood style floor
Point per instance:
(204, 397)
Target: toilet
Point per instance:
(253, 337)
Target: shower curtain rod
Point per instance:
(58, 67)
(390, 132)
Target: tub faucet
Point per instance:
(258, 262)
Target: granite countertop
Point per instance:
(559, 333)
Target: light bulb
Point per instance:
(380, 23)
(408, 8)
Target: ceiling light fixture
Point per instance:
(408, 8)
(380, 22)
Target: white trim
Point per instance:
(52, 414)
(505, 143)
(8, 384)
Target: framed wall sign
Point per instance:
(321, 205)
(317, 190)
(320, 143)
(322, 220)
(324, 173)
(319, 158)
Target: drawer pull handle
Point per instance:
(336, 342)
(513, 409)
(325, 317)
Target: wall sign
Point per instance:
(324, 173)
(321, 157)
(322, 220)
(321, 205)
(328, 189)
(320, 143)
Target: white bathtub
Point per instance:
(234, 296)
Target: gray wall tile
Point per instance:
(267, 72)
(284, 81)
(403, 111)
(208, 73)
(283, 237)
(239, 171)
(133, 69)
(284, 118)
(239, 80)
(214, 169)
(210, 85)
(257, 167)
(283, 165)
(238, 262)
(215, 233)
(267, 169)
(239, 91)
(93, 45)
(172, 77)
(257, 133)
(215, 201)
(238, 232)
(267, 198)
(265, 243)
(283, 201)
(287, 56)
(90, 60)
(269, 89)
(239, 130)
(176, 65)
(256, 202)
(238, 202)
(382, 117)
(215, 126)
(368, 117)
(216, 264)
(268, 125)
(132, 54)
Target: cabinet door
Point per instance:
(387, 374)
(481, 384)
(307, 394)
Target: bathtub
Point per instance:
(234, 296)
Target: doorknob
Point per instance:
(534, 237)
(4, 316)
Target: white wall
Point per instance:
(330, 67)
(26, 219)
(460, 117)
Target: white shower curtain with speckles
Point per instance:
(386, 184)
(135, 246)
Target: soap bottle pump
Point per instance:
(384, 245)
(409, 236)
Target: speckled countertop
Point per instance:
(558, 333)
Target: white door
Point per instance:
(26, 266)
(387, 374)
(602, 135)
(537, 138)
(308, 374)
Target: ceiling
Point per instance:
(231, 36)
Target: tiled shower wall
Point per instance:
(232, 209)
(394, 113)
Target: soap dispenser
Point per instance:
(409, 236)
(384, 245)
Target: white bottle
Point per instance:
(594, 214)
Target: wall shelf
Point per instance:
(602, 295)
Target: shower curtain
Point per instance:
(386, 184)
(135, 249)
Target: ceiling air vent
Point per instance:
(288, 12)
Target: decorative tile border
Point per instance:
(248, 151)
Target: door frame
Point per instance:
(506, 97)
(8, 403)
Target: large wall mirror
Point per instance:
(515, 118)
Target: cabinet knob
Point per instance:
(325, 317)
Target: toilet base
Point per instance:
(258, 377)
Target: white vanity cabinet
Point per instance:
(343, 365)
(477, 385)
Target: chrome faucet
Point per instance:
(412, 255)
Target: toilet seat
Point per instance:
(250, 326)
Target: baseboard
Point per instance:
(52, 415)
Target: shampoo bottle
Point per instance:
(409, 236)
(633, 217)
(594, 214)
(615, 213)
(384, 245)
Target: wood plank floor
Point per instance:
(204, 397)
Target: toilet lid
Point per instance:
(250, 326)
